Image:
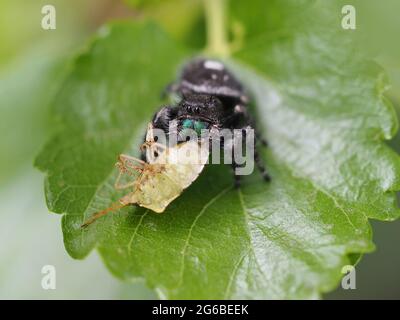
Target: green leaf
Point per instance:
(320, 106)
(187, 28)
(340, 111)
(270, 16)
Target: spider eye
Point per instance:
(199, 125)
(187, 124)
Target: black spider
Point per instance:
(210, 96)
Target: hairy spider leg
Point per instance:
(257, 158)
(241, 110)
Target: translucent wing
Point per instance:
(163, 181)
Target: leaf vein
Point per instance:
(186, 244)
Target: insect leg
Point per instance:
(124, 162)
(115, 206)
(124, 158)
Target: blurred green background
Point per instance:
(33, 62)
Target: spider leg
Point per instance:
(245, 117)
(257, 159)
(236, 178)
(242, 113)
(260, 166)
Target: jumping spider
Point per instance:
(210, 97)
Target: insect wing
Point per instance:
(156, 192)
(164, 181)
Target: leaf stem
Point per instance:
(217, 40)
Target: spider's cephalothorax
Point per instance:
(210, 97)
(202, 76)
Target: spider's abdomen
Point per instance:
(203, 76)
